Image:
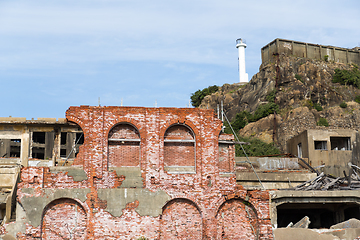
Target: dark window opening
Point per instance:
(80, 138)
(10, 148)
(63, 138)
(320, 145)
(63, 153)
(320, 215)
(39, 137)
(352, 212)
(15, 151)
(340, 143)
(38, 152)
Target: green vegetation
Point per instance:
(298, 77)
(357, 99)
(326, 58)
(310, 104)
(256, 148)
(322, 122)
(243, 118)
(199, 95)
(347, 77)
(271, 96)
(343, 105)
(318, 107)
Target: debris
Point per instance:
(351, 223)
(326, 182)
(303, 223)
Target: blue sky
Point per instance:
(56, 54)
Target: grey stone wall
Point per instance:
(309, 50)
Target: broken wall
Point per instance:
(152, 172)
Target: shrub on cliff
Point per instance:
(343, 105)
(270, 97)
(199, 95)
(357, 99)
(322, 122)
(318, 107)
(256, 148)
(243, 118)
(347, 77)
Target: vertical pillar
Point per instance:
(56, 148)
(49, 145)
(70, 144)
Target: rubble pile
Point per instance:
(327, 182)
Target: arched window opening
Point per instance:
(237, 220)
(64, 219)
(181, 219)
(124, 146)
(179, 150)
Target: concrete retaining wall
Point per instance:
(309, 50)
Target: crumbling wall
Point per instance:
(107, 196)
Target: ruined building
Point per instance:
(170, 173)
(159, 173)
(309, 50)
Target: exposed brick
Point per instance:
(68, 217)
(203, 205)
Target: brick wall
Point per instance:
(68, 216)
(203, 204)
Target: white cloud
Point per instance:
(83, 40)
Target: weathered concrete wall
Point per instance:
(309, 50)
(280, 197)
(335, 159)
(123, 200)
(20, 134)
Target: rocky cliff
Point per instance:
(301, 84)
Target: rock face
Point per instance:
(300, 83)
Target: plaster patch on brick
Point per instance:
(132, 176)
(34, 206)
(77, 173)
(150, 203)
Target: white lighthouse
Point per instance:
(241, 45)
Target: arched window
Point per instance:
(181, 219)
(237, 219)
(179, 150)
(124, 146)
(64, 219)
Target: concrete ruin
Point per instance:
(332, 149)
(309, 50)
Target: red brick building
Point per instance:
(159, 173)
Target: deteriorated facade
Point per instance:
(159, 173)
(333, 149)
